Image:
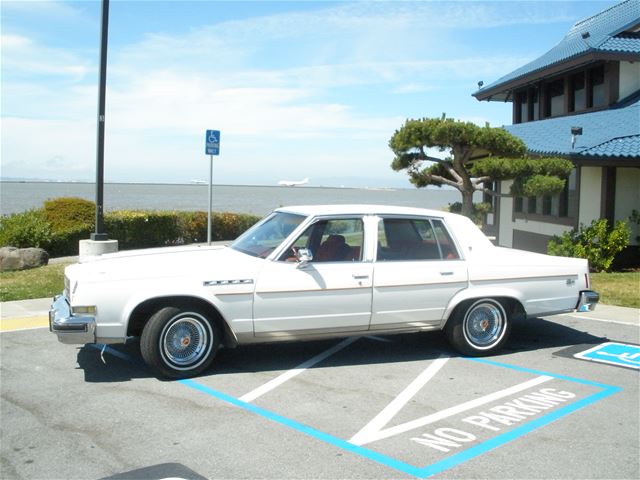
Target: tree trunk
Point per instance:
(467, 204)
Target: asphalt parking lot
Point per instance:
(369, 407)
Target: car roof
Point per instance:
(315, 210)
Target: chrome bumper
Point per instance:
(73, 329)
(588, 301)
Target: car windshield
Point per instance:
(265, 236)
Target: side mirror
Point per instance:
(304, 256)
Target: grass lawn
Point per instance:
(618, 288)
(39, 282)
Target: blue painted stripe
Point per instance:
(325, 437)
(538, 372)
(447, 463)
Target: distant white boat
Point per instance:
(199, 182)
(293, 183)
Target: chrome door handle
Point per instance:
(360, 277)
(446, 273)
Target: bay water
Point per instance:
(258, 200)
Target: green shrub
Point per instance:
(63, 222)
(225, 226)
(69, 213)
(139, 229)
(597, 243)
(26, 229)
(193, 227)
(228, 226)
(66, 243)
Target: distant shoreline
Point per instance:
(189, 184)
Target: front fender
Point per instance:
(234, 304)
(476, 293)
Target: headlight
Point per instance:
(84, 310)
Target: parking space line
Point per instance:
(449, 412)
(306, 429)
(584, 317)
(446, 463)
(398, 403)
(288, 375)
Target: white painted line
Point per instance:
(584, 317)
(398, 403)
(288, 375)
(449, 412)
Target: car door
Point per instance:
(418, 269)
(330, 293)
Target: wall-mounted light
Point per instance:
(575, 131)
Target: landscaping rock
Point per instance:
(12, 258)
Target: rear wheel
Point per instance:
(179, 343)
(479, 327)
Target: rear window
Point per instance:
(406, 239)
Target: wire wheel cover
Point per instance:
(185, 340)
(484, 324)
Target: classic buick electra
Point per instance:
(311, 272)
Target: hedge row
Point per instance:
(62, 223)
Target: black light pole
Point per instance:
(104, 33)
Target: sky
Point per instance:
(298, 88)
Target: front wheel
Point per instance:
(179, 343)
(479, 327)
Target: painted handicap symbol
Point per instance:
(613, 353)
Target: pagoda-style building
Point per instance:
(581, 101)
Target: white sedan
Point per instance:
(313, 272)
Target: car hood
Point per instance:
(164, 262)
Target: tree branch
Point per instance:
(446, 181)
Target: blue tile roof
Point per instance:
(622, 43)
(606, 133)
(602, 29)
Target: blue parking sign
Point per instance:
(620, 354)
(212, 142)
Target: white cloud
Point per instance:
(24, 56)
(166, 89)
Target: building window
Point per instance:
(596, 83)
(534, 105)
(555, 98)
(561, 208)
(578, 96)
(518, 205)
(568, 199)
(521, 107)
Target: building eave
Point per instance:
(503, 91)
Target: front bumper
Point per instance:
(588, 301)
(73, 329)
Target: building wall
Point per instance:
(628, 198)
(505, 229)
(629, 78)
(590, 194)
(521, 233)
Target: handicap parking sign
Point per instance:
(620, 354)
(212, 142)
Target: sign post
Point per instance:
(212, 148)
